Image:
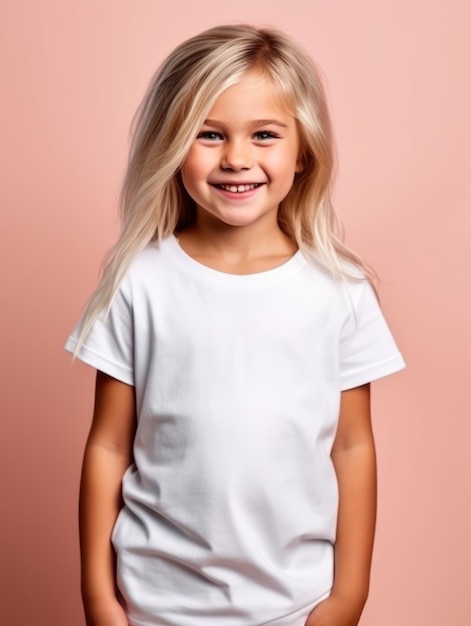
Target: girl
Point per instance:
(234, 339)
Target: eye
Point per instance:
(265, 135)
(209, 135)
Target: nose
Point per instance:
(236, 156)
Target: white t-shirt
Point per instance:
(231, 504)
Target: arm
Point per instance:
(108, 453)
(354, 459)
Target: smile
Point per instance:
(238, 188)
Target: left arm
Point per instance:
(354, 459)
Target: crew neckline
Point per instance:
(203, 271)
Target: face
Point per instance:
(244, 158)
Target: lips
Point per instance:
(237, 187)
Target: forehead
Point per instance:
(255, 96)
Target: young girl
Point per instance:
(229, 475)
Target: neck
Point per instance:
(237, 249)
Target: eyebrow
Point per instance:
(267, 122)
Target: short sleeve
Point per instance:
(367, 348)
(109, 345)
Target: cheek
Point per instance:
(185, 179)
(283, 166)
(196, 166)
(189, 170)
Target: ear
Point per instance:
(301, 162)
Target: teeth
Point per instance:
(238, 188)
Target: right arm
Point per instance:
(108, 453)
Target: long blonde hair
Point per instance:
(154, 203)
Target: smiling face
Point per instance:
(245, 156)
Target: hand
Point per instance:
(109, 613)
(335, 611)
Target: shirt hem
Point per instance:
(291, 618)
(391, 366)
(100, 362)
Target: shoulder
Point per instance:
(155, 252)
(348, 281)
(148, 264)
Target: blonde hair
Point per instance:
(153, 201)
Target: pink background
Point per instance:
(398, 81)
